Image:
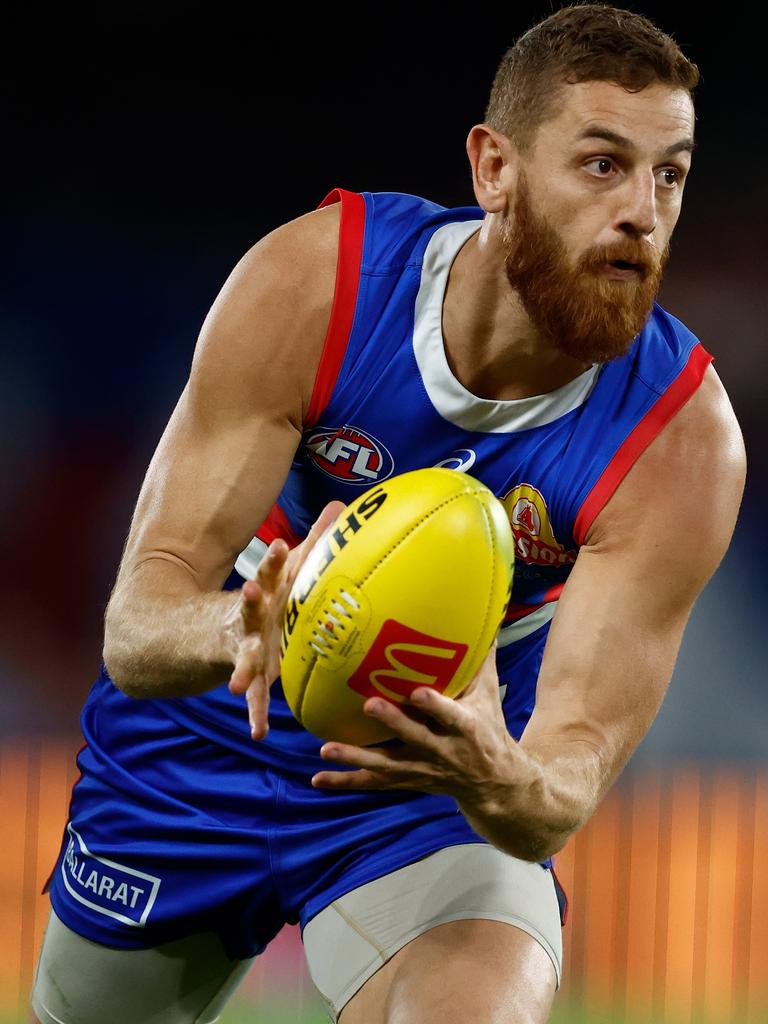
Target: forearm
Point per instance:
(163, 637)
(541, 799)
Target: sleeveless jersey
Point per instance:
(385, 402)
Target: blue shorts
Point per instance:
(172, 834)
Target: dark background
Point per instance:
(148, 147)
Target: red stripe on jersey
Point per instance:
(519, 611)
(657, 417)
(350, 257)
(277, 525)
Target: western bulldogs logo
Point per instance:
(348, 454)
(535, 541)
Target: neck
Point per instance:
(491, 345)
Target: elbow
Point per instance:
(123, 664)
(122, 675)
(538, 848)
(543, 839)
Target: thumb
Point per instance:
(327, 517)
(486, 676)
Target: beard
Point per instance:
(586, 315)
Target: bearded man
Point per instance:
(518, 339)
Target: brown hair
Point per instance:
(580, 43)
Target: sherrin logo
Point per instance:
(334, 540)
(401, 659)
(535, 541)
(348, 454)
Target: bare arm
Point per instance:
(607, 662)
(620, 620)
(219, 466)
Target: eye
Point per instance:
(600, 166)
(670, 177)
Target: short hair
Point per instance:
(580, 43)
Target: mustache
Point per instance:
(640, 256)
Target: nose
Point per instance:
(637, 212)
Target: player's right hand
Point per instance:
(256, 621)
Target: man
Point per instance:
(517, 340)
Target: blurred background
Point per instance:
(147, 148)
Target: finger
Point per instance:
(329, 515)
(257, 699)
(444, 710)
(349, 780)
(271, 565)
(410, 730)
(489, 662)
(251, 592)
(486, 676)
(379, 759)
(247, 666)
(251, 605)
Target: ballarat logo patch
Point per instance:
(348, 454)
(105, 886)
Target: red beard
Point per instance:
(587, 316)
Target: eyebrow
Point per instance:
(686, 145)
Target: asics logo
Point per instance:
(462, 460)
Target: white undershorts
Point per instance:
(349, 940)
(189, 981)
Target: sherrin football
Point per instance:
(407, 588)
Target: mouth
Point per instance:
(622, 270)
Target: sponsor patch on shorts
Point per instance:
(106, 886)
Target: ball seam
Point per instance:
(412, 529)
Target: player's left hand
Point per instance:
(459, 747)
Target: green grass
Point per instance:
(285, 1011)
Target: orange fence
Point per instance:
(667, 884)
(670, 894)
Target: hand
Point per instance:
(257, 619)
(460, 747)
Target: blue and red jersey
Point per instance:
(385, 401)
(181, 822)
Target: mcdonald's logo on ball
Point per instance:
(401, 659)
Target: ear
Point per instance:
(493, 159)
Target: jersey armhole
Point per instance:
(351, 234)
(657, 417)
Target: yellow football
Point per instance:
(407, 588)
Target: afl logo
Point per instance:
(348, 454)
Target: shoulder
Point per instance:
(680, 499)
(265, 330)
(301, 250)
(700, 447)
